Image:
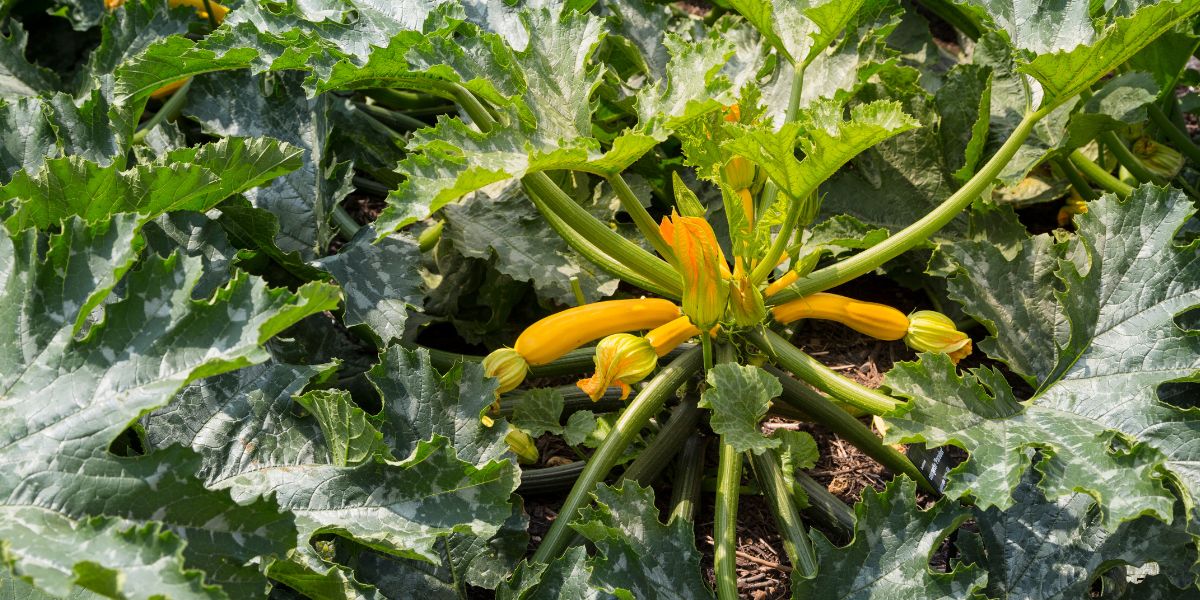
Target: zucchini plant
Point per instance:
(235, 235)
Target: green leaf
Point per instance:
(127, 32)
(379, 282)
(889, 555)
(239, 104)
(33, 130)
(419, 404)
(187, 179)
(1121, 102)
(964, 102)
(739, 396)
(1090, 322)
(194, 235)
(1080, 57)
(348, 430)
(17, 76)
(404, 508)
(75, 514)
(566, 578)
(634, 551)
(507, 225)
(979, 413)
(828, 142)
(1052, 550)
(539, 412)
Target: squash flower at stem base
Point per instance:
(701, 265)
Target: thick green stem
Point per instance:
(659, 452)
(1179, 139)
(395, 120)
(689, 472)
(771, 192)
(168, 110)
(915, 234)
(549, 479)
(1097, 174)
(824, 507)
(825, 379)
(552, 199)
(795, 539)
(645, 405)
(849, 428)
(346, 224)
(583, 245)
(729, 478)
(1132, 163)
(645, 223)
(1077, 180)
(626, 259)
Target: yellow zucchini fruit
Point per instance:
(879, 321)
(666, 338)
(562, 332)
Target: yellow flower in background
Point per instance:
(621, 359)
(1163, 161)
(702, 266)
(931, 331)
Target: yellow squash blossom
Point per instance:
(621, 359)
(702, 266)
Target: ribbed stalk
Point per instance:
(729, 477)
(689, 472)
(598, 234)
(574, 400)
(1179, 139)
(915, 234)
(795, 539)
(659, 452)
(645, 405)
(849, 428)
(824, 507)
(169, 109)
(1099, 175)
(584, 246)
(549, 479)
(823, 378)
(1078, 182)
(346, 225)
(645, 223)
(603, 245)
(1131, 162)
(771, 193)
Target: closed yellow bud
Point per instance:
(506, 365)
(621, 359)
(739, 173)
(931, 331)
(1163, 161)
(522, 445)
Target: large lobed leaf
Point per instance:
(78, 367)
(1092, 323)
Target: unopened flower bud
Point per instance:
(931, 331)
(701, 265)
(621, 359)
(746, 306)
(522, 445)
(506, 365)
(739, 173)
(1163, 161)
